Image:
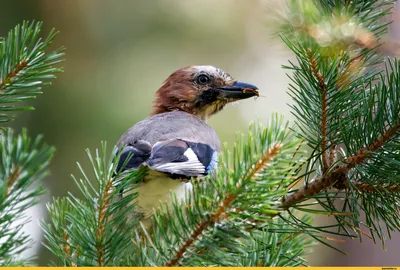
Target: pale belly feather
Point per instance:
(158, 187)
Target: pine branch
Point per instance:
(104, 204)
(364, 153)
(338, 174)
(97, 229)
(21, 65)
(25, 67)
(11, 180)
(226, 204)
(324, 107)
(369, 188)
(347, 110)
(24, 164)
(358, 114)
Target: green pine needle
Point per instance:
(23, 164)
(95, 230)
(25, 67)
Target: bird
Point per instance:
(175, 142)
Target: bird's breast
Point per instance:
(158, 187)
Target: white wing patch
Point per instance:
(192, 165)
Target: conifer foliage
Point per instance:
(347, 110)
(339, 158)
(25, 68)
(256, 209)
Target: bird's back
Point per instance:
(177, 124)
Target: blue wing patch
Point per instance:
(213, 163)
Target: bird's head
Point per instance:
(201, 91)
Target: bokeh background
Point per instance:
(119, 53)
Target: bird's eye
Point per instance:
(203, 79)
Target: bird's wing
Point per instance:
(184, 158)
(175, 156)
(137, 152)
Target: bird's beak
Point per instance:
(239, 90)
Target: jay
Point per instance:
(175, 142)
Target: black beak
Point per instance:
(239, 90)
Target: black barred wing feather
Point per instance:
(176, 157)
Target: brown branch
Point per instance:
(17, 69)
(11, 180)
(366, 151)
(324, 107)
(332, 155)
(67, 249)
(324, 116)
(312, 188)
(225, 204)
(76, 256)
(369, 188)
(102, 211)
(338, 174)
(262, 162)
(202, 226)
(298, 148)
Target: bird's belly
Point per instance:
(158, 187)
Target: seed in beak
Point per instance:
(250, 90)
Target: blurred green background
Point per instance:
(119, 53)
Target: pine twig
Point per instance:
(312, 188)
(105, 202)
(378, 143)
(369, 188)
(225, 204)
(338, 174)
(324, 107)
(23, 64)
(11, 180)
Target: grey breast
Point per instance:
(171, 125)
